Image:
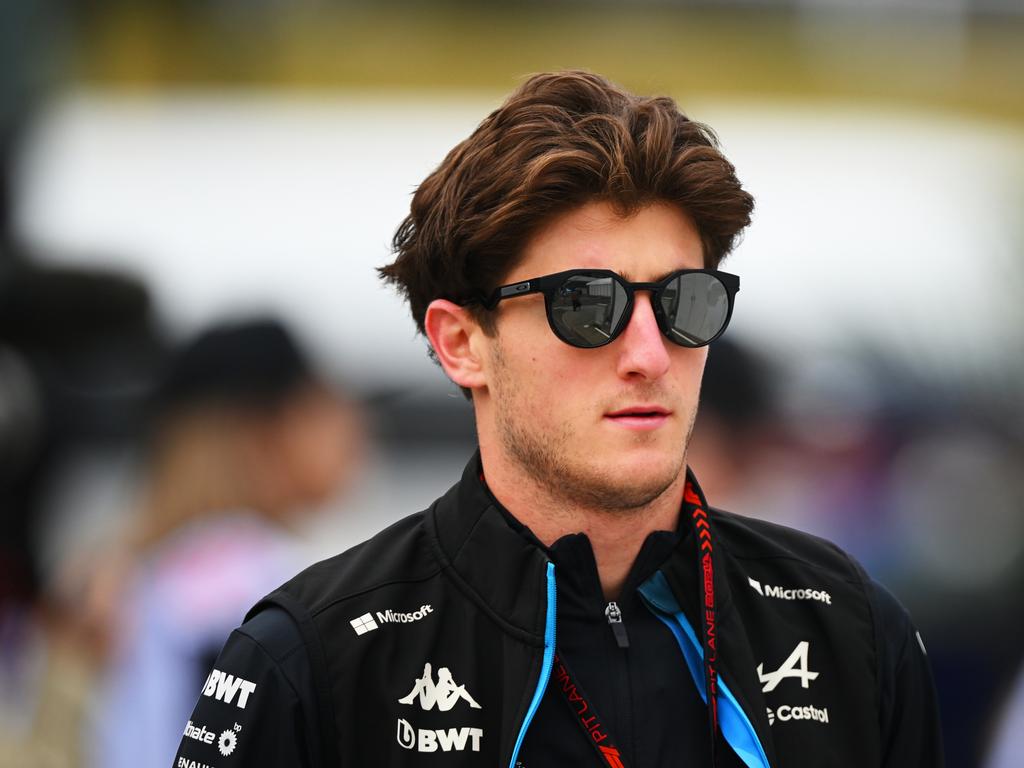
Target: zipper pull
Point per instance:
(614, 616)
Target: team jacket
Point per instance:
(439, 642)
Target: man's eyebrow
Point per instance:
(628, 276)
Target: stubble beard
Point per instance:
(549, 461)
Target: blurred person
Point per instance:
(573, 600)
(965, 576)
(247, 439)
(819, 463)
(734, 426)
(71, 343)
(44, 678)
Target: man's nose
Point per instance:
(642, 350)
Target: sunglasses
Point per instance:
(590, 307)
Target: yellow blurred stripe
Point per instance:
(916, 60)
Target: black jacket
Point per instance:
(440, 641)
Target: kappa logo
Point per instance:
(224, 687)
(366, 623)
(444, 694)
(767, 590)
(794, 666)
(786, 713)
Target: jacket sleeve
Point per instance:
(256, 708)
(911, 733)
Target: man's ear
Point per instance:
(455, 336)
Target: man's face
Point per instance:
(604, 427)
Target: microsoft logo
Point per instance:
(363, 624)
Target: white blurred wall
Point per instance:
(900, 229)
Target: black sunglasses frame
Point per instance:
(549, 284)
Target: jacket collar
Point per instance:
(502, 564)
(498, 562)
(491, 556)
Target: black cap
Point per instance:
(736, 388)
(252, 362)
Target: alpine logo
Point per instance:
(444, 694)
(782, 593)
(224, 687)
(794, 666)
(786, 713)
(434, 739)
(366, 622)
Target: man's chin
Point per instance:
(649, 460)
(629, 482)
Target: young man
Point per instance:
(574, 600)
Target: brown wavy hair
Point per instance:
(560, 140)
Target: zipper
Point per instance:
(619, 662)
(614, 616)
(546, 664)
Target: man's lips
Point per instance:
(640, 416)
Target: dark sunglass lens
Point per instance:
(697, 307)
(587, 309)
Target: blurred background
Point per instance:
(194, 195)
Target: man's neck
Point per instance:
(616, 536)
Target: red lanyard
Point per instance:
(585, 715)
(583, 710)
(709, 623)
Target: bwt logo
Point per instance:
(434, 739)
(224, 687)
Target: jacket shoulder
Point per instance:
(400, 554)
(749, 539)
